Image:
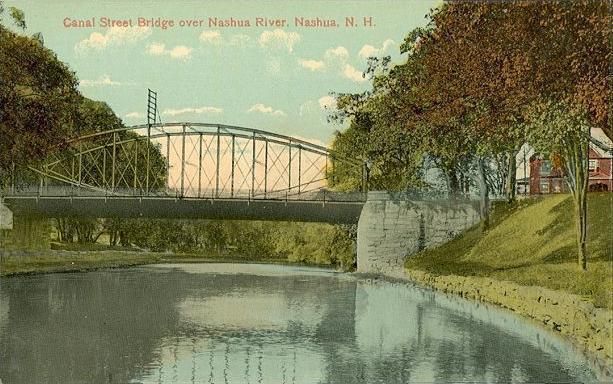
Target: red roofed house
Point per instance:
(544, 178)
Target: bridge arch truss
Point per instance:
(195, 160)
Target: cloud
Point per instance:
(338, 53)
(313, 65)
(102, 81)
(114, 36)
(134, 115)
(261, 108)
(179, 52)
(216, 38)
(279, 39)
(327, 102)
(353, 74)
(369, 51)
(199, 111)
(211, 37)
(336, 59)
(156, 49)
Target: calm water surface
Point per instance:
(222, 323)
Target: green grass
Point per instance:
(533, 242)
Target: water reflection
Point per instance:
(264, 324)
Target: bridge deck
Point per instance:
(338, 212)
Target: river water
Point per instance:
(224, 323)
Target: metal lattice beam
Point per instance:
(194, 160)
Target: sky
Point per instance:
(276, 77)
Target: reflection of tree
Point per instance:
(111, 326)
(484, 350)
(85, 328)
(446, 345)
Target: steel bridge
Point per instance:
(189, 170)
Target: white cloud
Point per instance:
(338, 53)
(216, 38)
(336, 59)
(279, 39)
(369, 51)
(179, 52)
(134, 115)
(327, 102)
(199, 110)
(156, 49)
(261, 108)
(102, 81)
(313, 65)
(114, 36)
(353, 74)
(211, 37)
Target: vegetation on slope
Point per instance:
(532, 242)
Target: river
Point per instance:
(227, 323)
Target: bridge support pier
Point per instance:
(394, 227)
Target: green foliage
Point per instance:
(19, 18)
(556, 129)
(38, 99)
(315, 243)
(309, 243)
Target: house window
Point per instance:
(593, 164)
(544, 186)
(545, 169)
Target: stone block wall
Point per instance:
(391, 228)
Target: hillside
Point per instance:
(532, 242)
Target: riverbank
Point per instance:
(526, 263)
(586, 327)
(84, 261)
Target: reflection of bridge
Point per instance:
(189, 170)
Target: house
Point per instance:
(600, 161)
(545, 177)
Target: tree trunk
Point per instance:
(484, 203)
(581, 225)
(453, 183)
(576, 165)
(511, 176)
(580, 198)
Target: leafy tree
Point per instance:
(556, 129)
(38, 95)
(487, 63)
(377, 135)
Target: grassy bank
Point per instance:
(532, 243)
(49, 262)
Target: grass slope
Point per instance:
(533, 242)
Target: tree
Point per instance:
(493, 61)
(38, 95)
(377, 134)
(558, 130)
